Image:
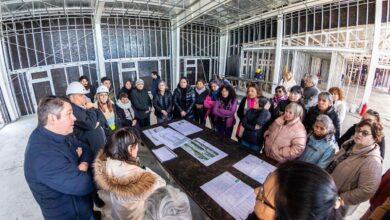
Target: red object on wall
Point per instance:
(364, 109)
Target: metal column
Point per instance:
(223, 45)
(98, 39)
(175, 56)
(6, 87)
(278, 52)
(375, 51)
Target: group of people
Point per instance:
(90, 141)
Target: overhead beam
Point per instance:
(197, 10)
(273, 13)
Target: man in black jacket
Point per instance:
(141, 103)
(87, 127)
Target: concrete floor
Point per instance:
(17, 201)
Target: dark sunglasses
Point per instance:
(363, 132)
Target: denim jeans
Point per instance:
(249, 146)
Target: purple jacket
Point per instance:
(226, 112)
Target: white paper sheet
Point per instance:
(172, 138)
(185, 127)
(255, 168)
(164, 154)
(234, 196)
(152, 134)
(203, 151)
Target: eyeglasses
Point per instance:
(261, 197)
(363, 132)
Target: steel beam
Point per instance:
(223, 45)
(278, 52)
(375, 52)
(101, 69)
(5, 86)
(175, 56)
(197, 10)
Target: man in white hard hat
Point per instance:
(86, 127)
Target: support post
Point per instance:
(278, 52)
(374, 53)
(223, 44)
(98, 39)
(5, 86)
(175, 56)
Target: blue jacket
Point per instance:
(51, 170)
(154, 87)
(319, 152)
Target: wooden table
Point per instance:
(190, 174)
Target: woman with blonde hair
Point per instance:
(339, 103)
(107, 112)
(285, 139)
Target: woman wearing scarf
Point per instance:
(209, 103)
(280, 95)
(252, 93)
(224, 110)
(200, 95)
(184, 99)
(125, 111)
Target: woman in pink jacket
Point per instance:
(224, 110)
(285, 139)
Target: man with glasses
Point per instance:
(56, 164)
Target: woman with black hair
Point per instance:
(184, 99)
(297, 190)
(295, 95)
(224, 110)
(118, 171)
(280, 95)
(127, 87)
(201, 93)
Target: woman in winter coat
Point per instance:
(118, 171)
(285, 139)
(294, 95)
(200, 95)
(224, 110)
(252, 93)
(184, 99)
(126, 89)
(255, 123)
(320, 144)
(324, 106)
(372, 116)
(280, 95)
(357, 167)
(210, 101)
(141, 103)
(106, 111)
(125, 111)
(162, 103)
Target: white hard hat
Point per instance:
(75, 88)
(102, 89)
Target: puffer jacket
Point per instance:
(358, 177)
(163, 102)
(226, 112)
(319, 151)
(129, 186)
(252, 118)
(285, 142)
(184, 105)
(312, 114)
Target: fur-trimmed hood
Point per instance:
(123, 179)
